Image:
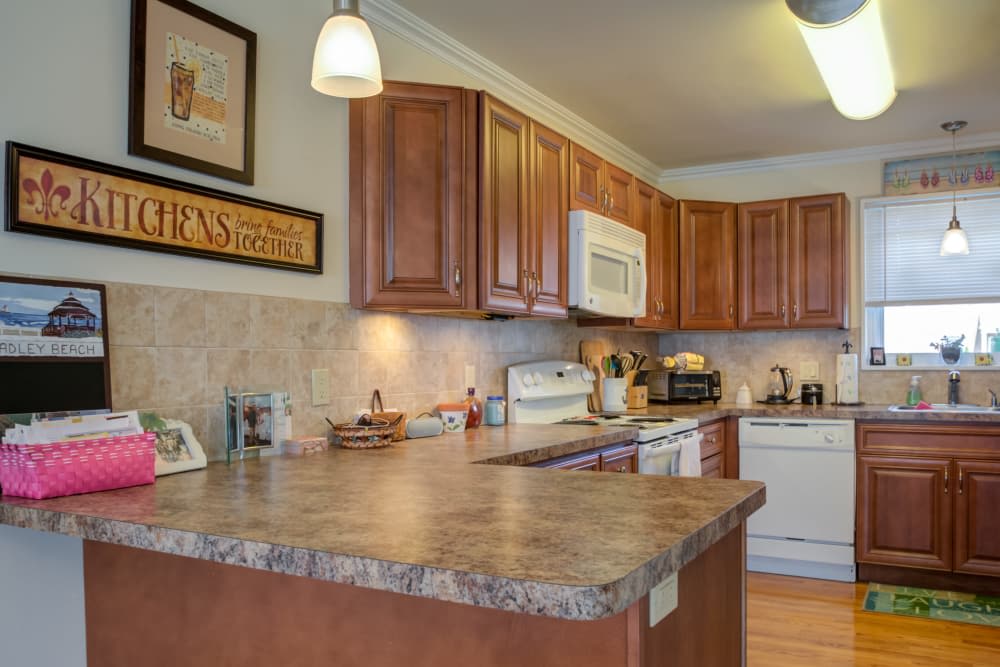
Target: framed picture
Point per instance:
(177, 449)
(53, 345)
(258, 421)
(877, 356)
(191, 89)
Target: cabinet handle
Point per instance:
(795, 311)
(960, 482)
(534, 278)
(611, 204)
(713, 440)
(604, 200)
(623, 469)
(782, 310)
(730, 311)
(458, 278)
(946, 480)
(527, 286)
(662, 307)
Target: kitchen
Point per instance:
(184, 328)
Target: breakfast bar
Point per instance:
(413, 554)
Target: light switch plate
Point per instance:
(320, 386)
(662, 599)
(809, 370)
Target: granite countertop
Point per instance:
(705, 412)
(419, 518)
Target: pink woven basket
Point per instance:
(81, 466)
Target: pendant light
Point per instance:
(346, 62)
(955, 242)
(846, 41)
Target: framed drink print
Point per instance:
(191, 89)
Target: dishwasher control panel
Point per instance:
(797, 433)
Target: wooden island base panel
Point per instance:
(152, 609)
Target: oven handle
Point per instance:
(660, 449)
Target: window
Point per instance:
(914, 299)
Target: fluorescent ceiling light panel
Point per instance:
(852, 58)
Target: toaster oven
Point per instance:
(684, 386)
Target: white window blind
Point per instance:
(901, 245)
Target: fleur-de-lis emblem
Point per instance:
(49, 199)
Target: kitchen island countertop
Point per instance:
(419, 518)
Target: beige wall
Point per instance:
(746, 356)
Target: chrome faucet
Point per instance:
(993, 399)
(954, 377)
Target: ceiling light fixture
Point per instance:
(346, 62)
(955, 242)
(846, 41)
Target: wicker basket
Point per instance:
(352, 436)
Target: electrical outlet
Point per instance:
(662, 599)
(809, 370)
(320, 386)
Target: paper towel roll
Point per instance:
(847, 378)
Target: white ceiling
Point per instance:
(694, 82)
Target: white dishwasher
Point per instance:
(806, 527)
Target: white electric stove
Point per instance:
(555, 392)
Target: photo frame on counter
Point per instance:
(192, 85)
(53, 345)
(177, 448)
(54, 194)
(258, 420)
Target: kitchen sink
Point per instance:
(965, 408)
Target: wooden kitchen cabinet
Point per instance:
(713, 448)
(599, 186)
(413, 199)
(656, 217)
(586, 461)
(792, 263)
(523, 214)
(977, 533)
(707, 266)
(623, 459)
(927, 498)
(904, 513)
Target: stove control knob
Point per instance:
(583, 376)
(590, 376)
(528, 380)
(537, 377)
(828, 437)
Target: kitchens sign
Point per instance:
(54, 194)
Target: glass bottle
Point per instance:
(475, 417)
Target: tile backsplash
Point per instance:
(747, 356)
(173, 351)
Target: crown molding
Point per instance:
(411, 28)
(879, 152)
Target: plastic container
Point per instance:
(453, 416)
(913, 394)
(495, 411)
(475, 417)
(743, 395)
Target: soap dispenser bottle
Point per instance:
(914, 395)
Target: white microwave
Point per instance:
(607, 266)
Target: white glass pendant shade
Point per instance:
(955, 242)
(853, 60)
(346, 62)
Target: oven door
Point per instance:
(661, 457)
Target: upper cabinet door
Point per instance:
(665, 238)
(643, 220)
(762, 233)
(587, 189)
(548, 200)
(818, 252)
(504, 270)
(621, 194)
(410, 232)
(707, 260)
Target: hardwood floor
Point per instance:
(793, 622)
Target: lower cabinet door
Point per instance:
(904, 511)
(977, 517)
(712, 466)
(623, 459)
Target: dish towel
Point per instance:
(690, 463)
